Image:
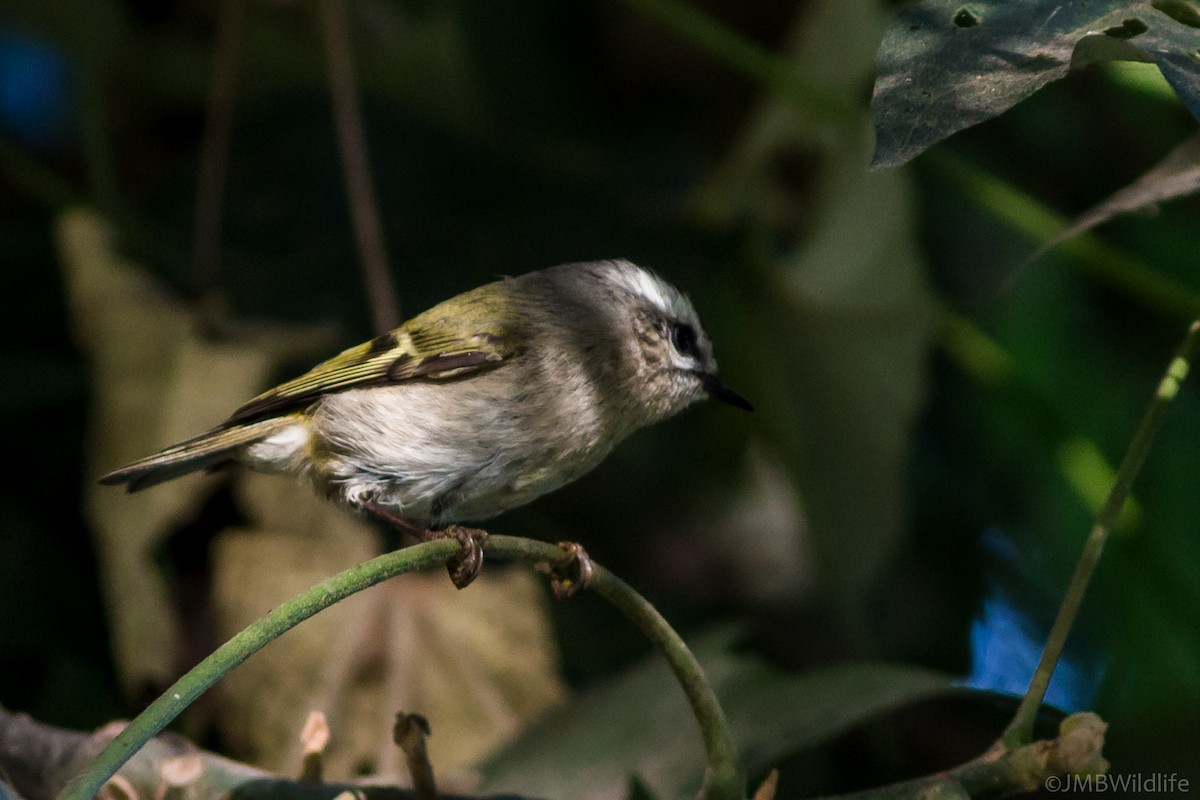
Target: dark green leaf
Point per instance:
(638, 723)
(945, 66)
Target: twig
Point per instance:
(1020, 730)
(368, 231)
(36, 758)
(723, 780)
(314, 737)
(409, 734)
(999, 773)
(214, 144)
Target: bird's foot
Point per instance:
(463, 567)
(575, 559)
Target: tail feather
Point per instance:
(206, 451)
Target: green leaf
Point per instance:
(638, 724)
(945, 65)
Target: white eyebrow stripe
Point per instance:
(650, 287)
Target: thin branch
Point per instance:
(723, 780)
(364, 212)
(1020, 730)
(1000, 773)
(410, 733)
(214, 144)
(35, 757)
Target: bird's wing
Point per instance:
(430, 347)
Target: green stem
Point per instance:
(722, 775)
(1020, 730)
(200, 678)
(723, 780)
(746, 56)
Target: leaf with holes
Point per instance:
(945, 65)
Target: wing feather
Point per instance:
(432, 346)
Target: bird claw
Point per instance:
(573, 556)
(465, 565)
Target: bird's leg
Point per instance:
(465, 565)
(396, 520)
(574, 556)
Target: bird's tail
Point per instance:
(206, 451)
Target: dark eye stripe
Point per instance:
(683, 338)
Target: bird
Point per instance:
(480, 404)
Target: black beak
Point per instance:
(719, 391)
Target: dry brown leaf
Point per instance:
(132, 335)
(181, 771)
(479, 663)
(766, 790)
(1177, 175)
(156, 381)
(314, 736)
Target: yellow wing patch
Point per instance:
(431, 346)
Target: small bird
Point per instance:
(478, 405)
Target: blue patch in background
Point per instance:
(38, 91)
(1007, 642)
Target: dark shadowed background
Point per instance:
(936, 422)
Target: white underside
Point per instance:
(432, 453)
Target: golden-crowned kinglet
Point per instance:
(479, 404)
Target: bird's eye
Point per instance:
(683, 338)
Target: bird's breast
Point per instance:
(455, 451)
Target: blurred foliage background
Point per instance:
(937, 420)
